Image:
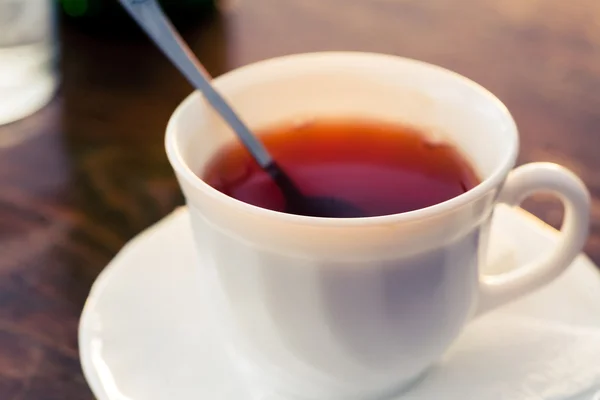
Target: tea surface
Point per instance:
(381, 168)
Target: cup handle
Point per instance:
(497, 290)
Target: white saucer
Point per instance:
(144, 334)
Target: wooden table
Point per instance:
(90, 172)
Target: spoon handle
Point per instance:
(149, 16)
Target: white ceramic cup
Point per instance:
(357, 308)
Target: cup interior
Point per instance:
(441, 103)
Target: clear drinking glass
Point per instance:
(28, 48)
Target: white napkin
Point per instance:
(543, 347)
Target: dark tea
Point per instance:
(381, 168)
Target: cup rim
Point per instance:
(493, 180)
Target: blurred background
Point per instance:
(85, 98)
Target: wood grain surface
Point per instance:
(88, 172)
